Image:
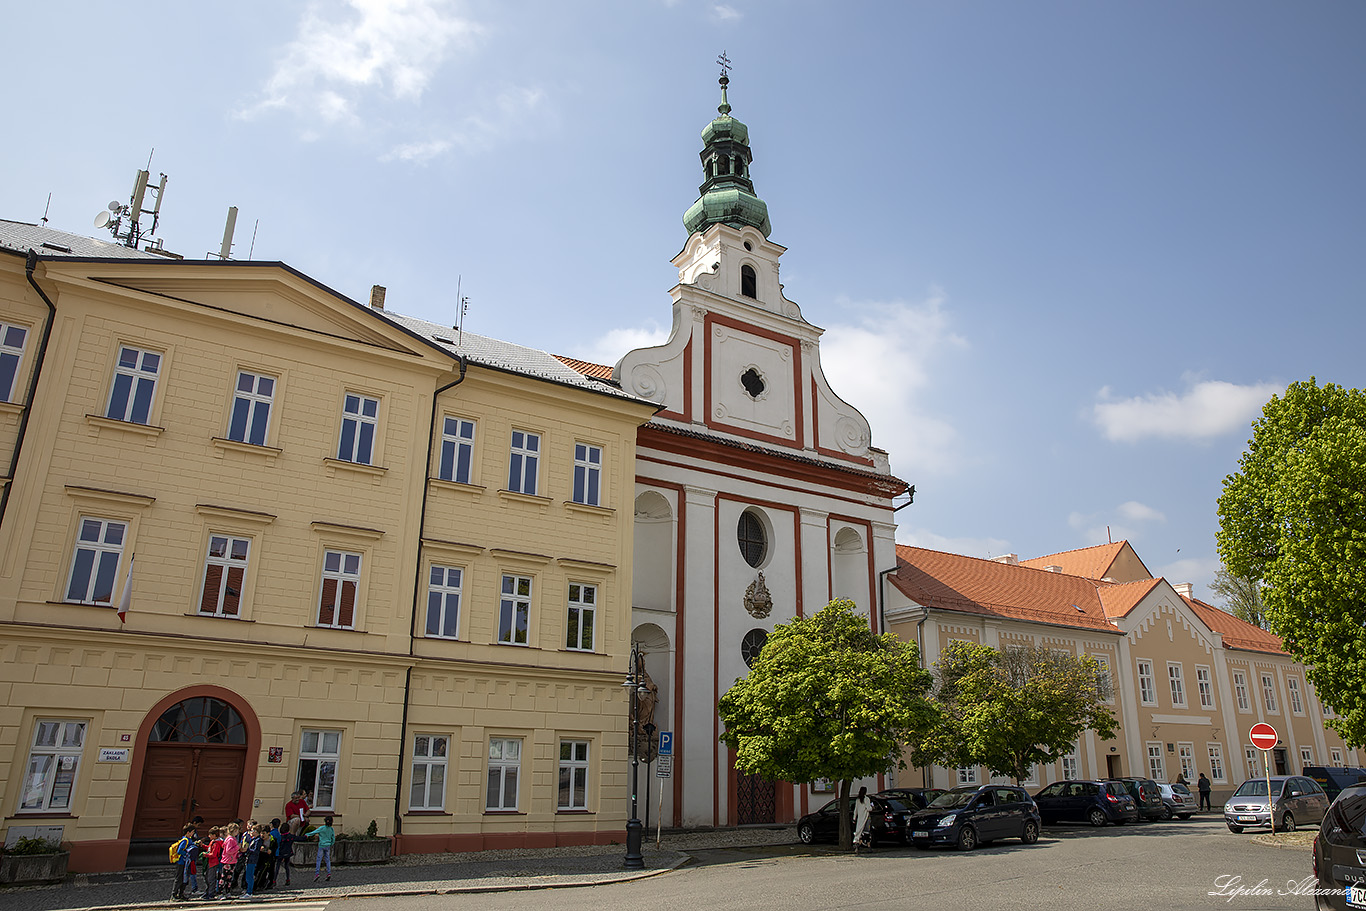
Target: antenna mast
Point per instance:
(464, 304)
(131, 233)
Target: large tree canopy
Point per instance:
(826, 698)
(1013, 708)
(1294, 518)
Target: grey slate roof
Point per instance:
(19, 237)
(501, 355)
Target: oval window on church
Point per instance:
(752, 537)
(752, 645)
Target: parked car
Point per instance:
(1096, 802)
(968, 816)
(1177, 800)
(1334, 778)
(1147, 796)
(914, 798)
(1338, 851)
(888, 822)
(1296, 800)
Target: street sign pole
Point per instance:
(1264, 738)
(664, 770)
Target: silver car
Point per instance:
(1177, 800)
(1297, 800)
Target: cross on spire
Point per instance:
(724, 61)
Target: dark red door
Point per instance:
(181, 781)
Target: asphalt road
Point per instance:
(1169, 865)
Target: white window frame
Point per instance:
(325, 754)
(1292, 686)
(359, 436)
(11, 357)
(136, 370)
(1147, 683)
(573, 781)
(1176, 680)
(967, 774)
(1306, 758)
(445, 588)
(524, 462)
(1240, 691)
(1157, 762)
(1185, 755)
(1269, 694)
(54, 765)
(1253, 763)
(1071, 763)
(1204, 682)
(231, 561)
(1337, 756)
(457, 450)
(513, 604)
(587, 474)
(501, 769)
(427, 790)
(1104, 662)
(343, 568)
(583, 605)
(255, 403)
(1216, 762)
(1033, 778)
(92, 534)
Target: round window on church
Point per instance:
(752, 645)
(753, 383)
(752, 537)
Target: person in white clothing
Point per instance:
(863, 813)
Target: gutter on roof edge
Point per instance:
(30, 263)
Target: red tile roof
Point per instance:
(1087, 562)
(587, 368)
(1122, 597)
(972, 585)
(1236, 633)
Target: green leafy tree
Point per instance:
(1013, 708)
(827, 698)
(1242, 596)
(1293, 517)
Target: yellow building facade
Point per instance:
(358, 558)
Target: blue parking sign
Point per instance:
(666, 743)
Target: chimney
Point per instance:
(1184, 589)
(1008, 559)
(377, 297)
(1052, 569)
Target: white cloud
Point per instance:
(1207, 409)
(1122, 523)
(884, 365)
(613, 345)
(513, 111)
(724, 13)
(417, 151)
(343, 52)
(1197, 570)
(1138, 512)
(985, 548)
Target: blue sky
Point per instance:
(1063, 251)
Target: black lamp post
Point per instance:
(634, 830)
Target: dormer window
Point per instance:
(749, 282)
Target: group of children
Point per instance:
(250, 856)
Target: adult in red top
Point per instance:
(296, 811)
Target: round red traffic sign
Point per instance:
(1263, 736)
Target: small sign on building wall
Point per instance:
(276, 754)
(109, 754)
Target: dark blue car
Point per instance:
(967, 817)
(1096, 802)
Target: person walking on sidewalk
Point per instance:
(326, 839)
(863, 812)
(1203, 786)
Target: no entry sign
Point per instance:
(1263, 736)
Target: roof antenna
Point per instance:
(1108, 535)
(46, 208)
(252, 248)
(464, 304)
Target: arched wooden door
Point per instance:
(196, 753)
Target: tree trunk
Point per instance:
(846, 821)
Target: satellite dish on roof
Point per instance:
(102, 220)
(114, 206)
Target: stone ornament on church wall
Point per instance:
(758, 601)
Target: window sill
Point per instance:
(40, 814)
(504, 813)
(472, 490)
(223, 444)
(530, 499)
(219, 617)
(564, 812)
(374, 471)
(338, 629)
(578, 651)
(100, 423)
(590, 510)
(515, 645)
(11, 408)
(428, 813)
(102, 605)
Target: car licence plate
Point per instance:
(1356, 896)
(1247, 819)
(920, 834)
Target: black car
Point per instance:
(968, 816)
(1096, 802)
(914, 798)
(1147, 795)
(1340, 853)
(888, 821)
(1334, 778)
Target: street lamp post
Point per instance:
(634, 830)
